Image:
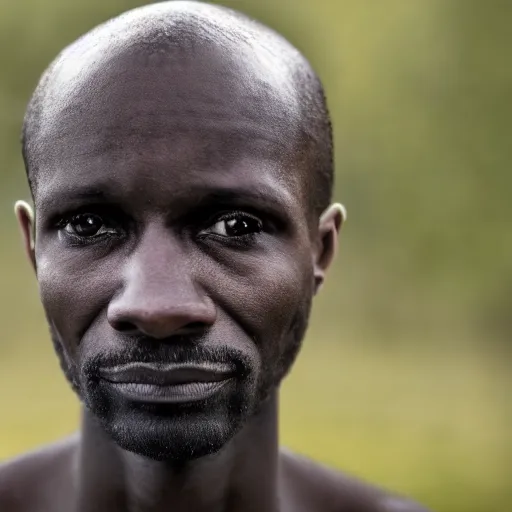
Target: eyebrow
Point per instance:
(270, 198)
(261, 195)
(69, 197)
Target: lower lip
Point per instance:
(172, 394)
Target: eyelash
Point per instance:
(241, 241)
(76, 240)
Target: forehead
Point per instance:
(174, 116)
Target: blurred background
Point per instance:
(404, 379)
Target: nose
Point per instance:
(159, 297)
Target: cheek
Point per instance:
(72, 292)
(265, 293)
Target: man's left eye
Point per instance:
(235, 226)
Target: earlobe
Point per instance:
(329, 227)
(25, 216)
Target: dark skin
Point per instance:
(173, 227)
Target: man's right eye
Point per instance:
(88, 225)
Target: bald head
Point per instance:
(158, 72)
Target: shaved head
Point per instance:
(156, 70)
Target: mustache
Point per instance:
(172, 352)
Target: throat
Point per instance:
(241, 477)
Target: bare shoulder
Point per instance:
(28, 481)
(313, 487)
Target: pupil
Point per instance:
(87, 225)
(241, 226)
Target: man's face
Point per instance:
(173, 248)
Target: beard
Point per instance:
(174, 432)
(182, 432)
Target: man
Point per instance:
(180, 163)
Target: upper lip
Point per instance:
(167, 374)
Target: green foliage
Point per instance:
(416, 315)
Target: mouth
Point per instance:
(168, 383)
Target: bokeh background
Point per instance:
(405, 376)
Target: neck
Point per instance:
(242, 477)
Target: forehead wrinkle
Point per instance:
(147, 119)
(133, 172)
(109, 138)
(139, 159)
(155, 35)
(168, 31)
(160, 107)
(133, 187)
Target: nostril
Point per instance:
(132, 327)
(160, 318)
(195, 326)
(124, 326)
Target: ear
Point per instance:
(328, 230)
(25, 216)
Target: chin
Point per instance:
(175, 442)
(176, 433)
